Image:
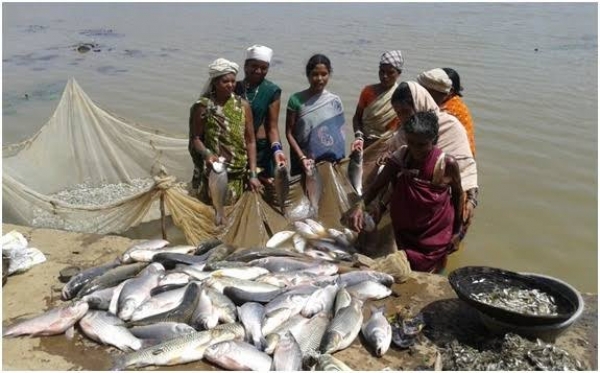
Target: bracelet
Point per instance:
(253, 175)
(359, 135)
(276, 146)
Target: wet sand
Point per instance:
(37, 290)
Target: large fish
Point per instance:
(78, 281)
(182, 313)
(377, 332)
(204, 316)
(103, 327)
(217, 185)
(314, 188)
(251, 315)
(184, 349)
(137, 290)
(309, 337)
(282, 186)
(162, 331)
(112, 278)
(355, 170)
(234, 355)
(287, 355)
(343, 329)
(52, 322)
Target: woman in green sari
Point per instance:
(221, 126)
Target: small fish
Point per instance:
(313, 185)
(282, 186)
(355, 170)
(108, 329)
(287, 355)
(377, 332)
(217, 185)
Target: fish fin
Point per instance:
(70, 332)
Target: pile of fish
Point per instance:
(287, 306)
(512, 352)
(526, 301)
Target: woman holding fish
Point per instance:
(222, 139)
(315, 126)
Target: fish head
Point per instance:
(126, 310)
(218, 349)
(272, 340)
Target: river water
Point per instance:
(530, 72)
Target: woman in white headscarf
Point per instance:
(221, 126)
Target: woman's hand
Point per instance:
(468, 213)
(357, 218)
(357, 145)
(210, 160)
(307, 165)
(280, 158)
(255, 184)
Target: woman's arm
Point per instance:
(198, 133)
(250, 145)
(357, 124)
(452, 177)
(290, 123)
(273, 131)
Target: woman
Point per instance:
(314, 127)
(444, 86)
(411, 98)
(265, 99)
(426, 201)
(374, 114)
(221, 126)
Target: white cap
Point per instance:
(435, 79)
(259, 52)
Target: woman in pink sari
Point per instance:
(426, 201)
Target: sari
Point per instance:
(260, 98)
(452, 136)
(224, 128)
(378, 116)
(457, 107)
(319, 129)
(421, 211)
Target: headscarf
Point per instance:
(393, 58)
(219, 67)
(259, 52)
(436, 80)
(452, 136)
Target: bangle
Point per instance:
(253, 175)
(276, 146)
(359, 135)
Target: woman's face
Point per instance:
(419, 146)
(403, 111)
(256, 71)
(225, 84)
(388, 75)
(318, 77)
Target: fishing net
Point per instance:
(88, 170)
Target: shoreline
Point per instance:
(38, 289)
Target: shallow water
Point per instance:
(535, 112)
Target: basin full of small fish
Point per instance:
(525, 301)
(286, 306)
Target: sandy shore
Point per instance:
(37, 290)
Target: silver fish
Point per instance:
(223, 306)
(162, 331)
(278, 317)
(293, 325)
(159, 303)
(378, 332)
(113, 306)
(355, 170)
(78, 281)
(217, 185)
(112, 277)
(369, 290)
(147, 255)
(184, 349)
(356, 277)
(309, 337)
(316, 227)
(282, 186)
(342, 299)
(234, 355)
(313, 185)
(105, 328)
(143, 245)
(285, 300)
(327, 362)
(100, 299)
(287, 355)
(242, 273)
(204, 315)
(279, 238)
(321, 300)
(251, 315)
(343, 329)
(137, 290)
(281, 264)
(52, 322)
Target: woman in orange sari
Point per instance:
(444, 86)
